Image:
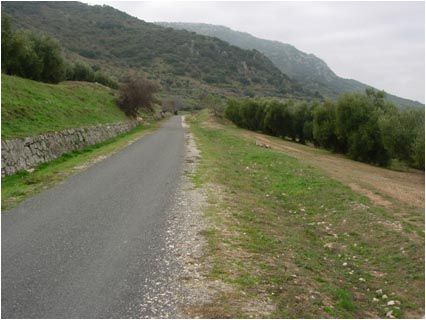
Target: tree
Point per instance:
(82, 72)
(137, 93)
(301, 116)
(22, 60)
(214, 103)
(232, 112)
(418, 149)
(6, 39)
(50, 53)
(173, 105)
(278, 119)
(31, 55)
(324, 125)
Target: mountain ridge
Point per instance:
(306, 68)
(179, 59)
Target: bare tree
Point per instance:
(137, 93)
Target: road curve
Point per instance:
(83, 248)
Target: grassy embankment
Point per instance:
(292, 242)
(30, 108)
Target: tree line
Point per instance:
(39, 57)
(362, 125)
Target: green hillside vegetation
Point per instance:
(39, 57)
(363, 126)
(180, 59)
(310, 71)
(29, 108)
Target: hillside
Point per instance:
(29, 107)
(312, 72)
(179, 59)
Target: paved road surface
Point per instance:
(84, 248)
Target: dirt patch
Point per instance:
(375, 198)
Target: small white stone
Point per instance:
(390, 314)
(391, 303)
(375, 300)
(384, 296)
(344, 264)
(361, 279)
(380, 291)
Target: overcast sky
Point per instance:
(379, 43)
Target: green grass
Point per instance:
(306, 241)
(29, 107)
(18, 187)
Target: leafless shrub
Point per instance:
(137, 93)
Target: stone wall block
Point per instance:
(29, 152)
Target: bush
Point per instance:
(22, 59)
(399, 130)
(301, 116)
(172, 105)
(31, 55)
(232, 111)
(324, 126)
(357, 126)
(214, 103)
(418, 150)
(81, 71)
(50, 53)
(137, 93)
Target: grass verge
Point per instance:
(294, 243)
(18, 187)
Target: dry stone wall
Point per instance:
(27, 153)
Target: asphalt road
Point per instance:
(84, 248)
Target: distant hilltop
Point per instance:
(310, 71)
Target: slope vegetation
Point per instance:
(179, 59)
(30, 108)
(310, 71)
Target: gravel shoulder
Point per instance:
(180, 281)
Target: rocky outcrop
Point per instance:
(29, 152)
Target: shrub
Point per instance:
(214, 103)
(22, 59)
(232, 112)
(31, 55)
(357, 126)
(172, 104)
(82, 72)
(50, 53)
(300, 115)
(6, 39)
(324, 126)
(418, 150)
(137, 93)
